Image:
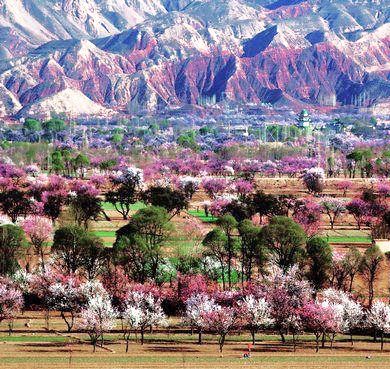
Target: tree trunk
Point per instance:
(242, 274)
(294, 346)
(142, 335)
(282, 336)
(370, 292)
(221, 342)
(332, 340)
(350, 283)
(94, 342)
(223, 278)
(47, 317)
(323, 340)
(42, 259)
(253, 337)
(68, 324)
(199, 337)
(382, 341)
(230, 272)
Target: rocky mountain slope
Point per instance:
(130, 54)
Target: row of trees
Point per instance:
(48, 195)
(281, 302)
(232, 252)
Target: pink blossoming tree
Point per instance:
(11, 301)
(39, 230)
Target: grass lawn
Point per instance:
(104, 233)
(347, 239)
(138, 205)
(201, 215)
(33, 338)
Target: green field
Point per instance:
(138, 205)
(202, 216)
(347, 239)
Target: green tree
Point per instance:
(57, 162)
(54, 125)
(81, 162)
(32, 125)
(67, 159)
(264, 204)
(85, 207)
(93, 257)
(122, 195)
(116, 138)
(174, 201)
(107, 164)
(253, 252)
(352, 262)
(188, 139)
(77, 250)
(215, 247)
(369, 268)
(13, 246)
(228, 224)
(205, 130)
(138, 245)
(319, 261)
(285, 239)
(355, 158)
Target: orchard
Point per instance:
(225, 254)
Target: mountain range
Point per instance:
(106, 56)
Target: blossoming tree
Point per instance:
(39, 230)
(144, 309)
(255, 313)
(197, 308)
(378, 318)
(96, 318)
(11, 301)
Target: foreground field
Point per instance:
(58, 352)
(34, 347)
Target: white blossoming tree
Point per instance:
(96, 318)
(379, 318)
(255, 313)
(143, 310)
(351, 311)
(66, 297)
(131, 320)
(197, 306)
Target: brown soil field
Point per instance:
(36, 354)
(36, 348)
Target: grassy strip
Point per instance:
(346, 239)
(138, 205)
(104, 233)
(182, 337)
(202, 216)
(31, 338)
